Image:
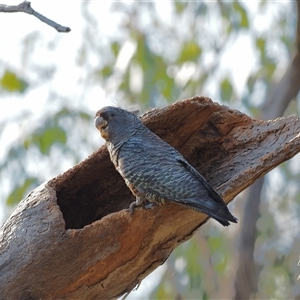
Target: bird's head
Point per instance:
(116, 124)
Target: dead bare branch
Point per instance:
(25, 7)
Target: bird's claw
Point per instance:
(139, 203)
(131, 208)
(150, 205)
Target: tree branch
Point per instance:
(298, 26)
(247, 274)
(285, 91)
(72, 238)
(25, 7)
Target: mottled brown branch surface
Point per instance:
(72, 238)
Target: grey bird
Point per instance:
(153, 170)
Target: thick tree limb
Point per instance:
(89, 247)
(26, 8)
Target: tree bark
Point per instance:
(72, 238)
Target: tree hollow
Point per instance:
(72, 238)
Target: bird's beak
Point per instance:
(100, 123)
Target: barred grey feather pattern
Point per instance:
(152, 169)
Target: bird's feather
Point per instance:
(170, 177)
(155, 170)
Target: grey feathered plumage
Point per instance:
(154, 170)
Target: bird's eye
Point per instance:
(112, 115)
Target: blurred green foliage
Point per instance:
(45, 138)
(12, 83)
(166, 57)
(226, 89)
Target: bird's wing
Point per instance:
(154, 167)
(212, 193)
(157, 168)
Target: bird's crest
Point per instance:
(134, 109)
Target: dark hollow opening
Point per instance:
(90, 191)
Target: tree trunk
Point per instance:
(72, 238)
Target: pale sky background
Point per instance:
(14, 27)
(238, 61)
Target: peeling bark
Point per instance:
(71, 238)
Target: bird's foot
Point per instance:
(138, 202)
(131, 208)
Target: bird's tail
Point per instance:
(216, 210)
(224, 219)
(223, 215)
